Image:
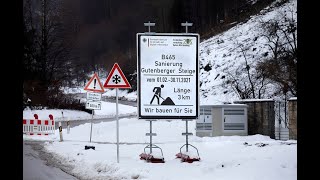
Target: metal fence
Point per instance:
(281, 120)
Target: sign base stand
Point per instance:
(186, 156)
(149, 157)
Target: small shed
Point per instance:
(222, 120)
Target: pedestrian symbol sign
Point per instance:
(116, 78)
(94, 84)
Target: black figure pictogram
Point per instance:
(157, 93)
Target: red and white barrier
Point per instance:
(39, 127)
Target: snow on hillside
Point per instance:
(122, 94)
(224, 55)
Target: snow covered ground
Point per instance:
(234, 157)
(107, 110)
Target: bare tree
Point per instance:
(281, 36)
(46, 49)
(245, 80)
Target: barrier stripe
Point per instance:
(39, 127)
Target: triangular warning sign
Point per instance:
(116, 78)
(94, 84)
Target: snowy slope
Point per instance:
(223, 54)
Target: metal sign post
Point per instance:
(186, 157)
(116, 79)
(151, 134)
(91, 123)
(60, 127)
(186, 24)
(187, 133)
(149, 24)
(95, 88)
(117, 118)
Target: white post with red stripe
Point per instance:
(39, 127)
(60, 131)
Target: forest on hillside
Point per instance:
(66, 40)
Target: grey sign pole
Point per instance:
(186, 24)
(149, 24)
(91, 123)
(117, 118)
(187, 133)
(150, 137)
(151, 133)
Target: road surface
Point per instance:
(74, 123)
(95, 121)
(39, 164)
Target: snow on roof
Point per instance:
(224, 105)
(293, 99)
(253, 100)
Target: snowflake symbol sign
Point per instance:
(116, 79)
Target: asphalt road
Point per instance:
(39, 164)
(108, 99)
(74, 123)
(94, 121)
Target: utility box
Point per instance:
(222, 120)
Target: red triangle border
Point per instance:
(94, 90)
(116, 66)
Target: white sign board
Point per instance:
(91, 96)
(168, 81)
(93, 105)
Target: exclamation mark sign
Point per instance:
(94, 83)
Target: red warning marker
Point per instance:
(93, 85)
(116, 78)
